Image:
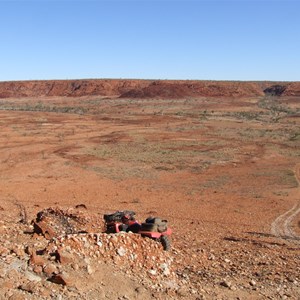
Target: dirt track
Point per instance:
(283, 226)
(223, 171)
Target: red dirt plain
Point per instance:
(219, 160)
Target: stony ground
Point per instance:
(224, 172)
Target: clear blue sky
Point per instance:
(213, 40)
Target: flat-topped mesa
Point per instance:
(130, 88)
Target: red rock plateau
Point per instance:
(146, 88)
(219, 160)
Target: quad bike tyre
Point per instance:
(165, 241)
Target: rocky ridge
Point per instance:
(39, 266)
(131, 88)
(88, 264)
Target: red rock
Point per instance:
(18, 251)
(28, 287)
(4, 251)
(17, 296)
(64, 257)
(38, 269)
(45, 293)
(63, 279)
(43, 227)
(9, 284)
(139, 88)
(50, 269)
(37, 260)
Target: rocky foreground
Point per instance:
(63, 254)
(56, 257)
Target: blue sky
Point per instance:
(205, 40)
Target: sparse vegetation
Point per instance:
(221, 167)
(44, 108)
(276, 108)
(178, 154)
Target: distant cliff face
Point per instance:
(72, 88)
(146, 88)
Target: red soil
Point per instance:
(224, 171)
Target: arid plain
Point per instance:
(223, 170)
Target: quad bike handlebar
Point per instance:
(118, 216)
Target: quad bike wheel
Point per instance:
(165, 242)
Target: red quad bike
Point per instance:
(154, 228)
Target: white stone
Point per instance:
(152, 272)
(121, 251)
(32, 277)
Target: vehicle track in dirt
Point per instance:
(282, 227)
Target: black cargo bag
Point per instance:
(117, 216)
(154, 225)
